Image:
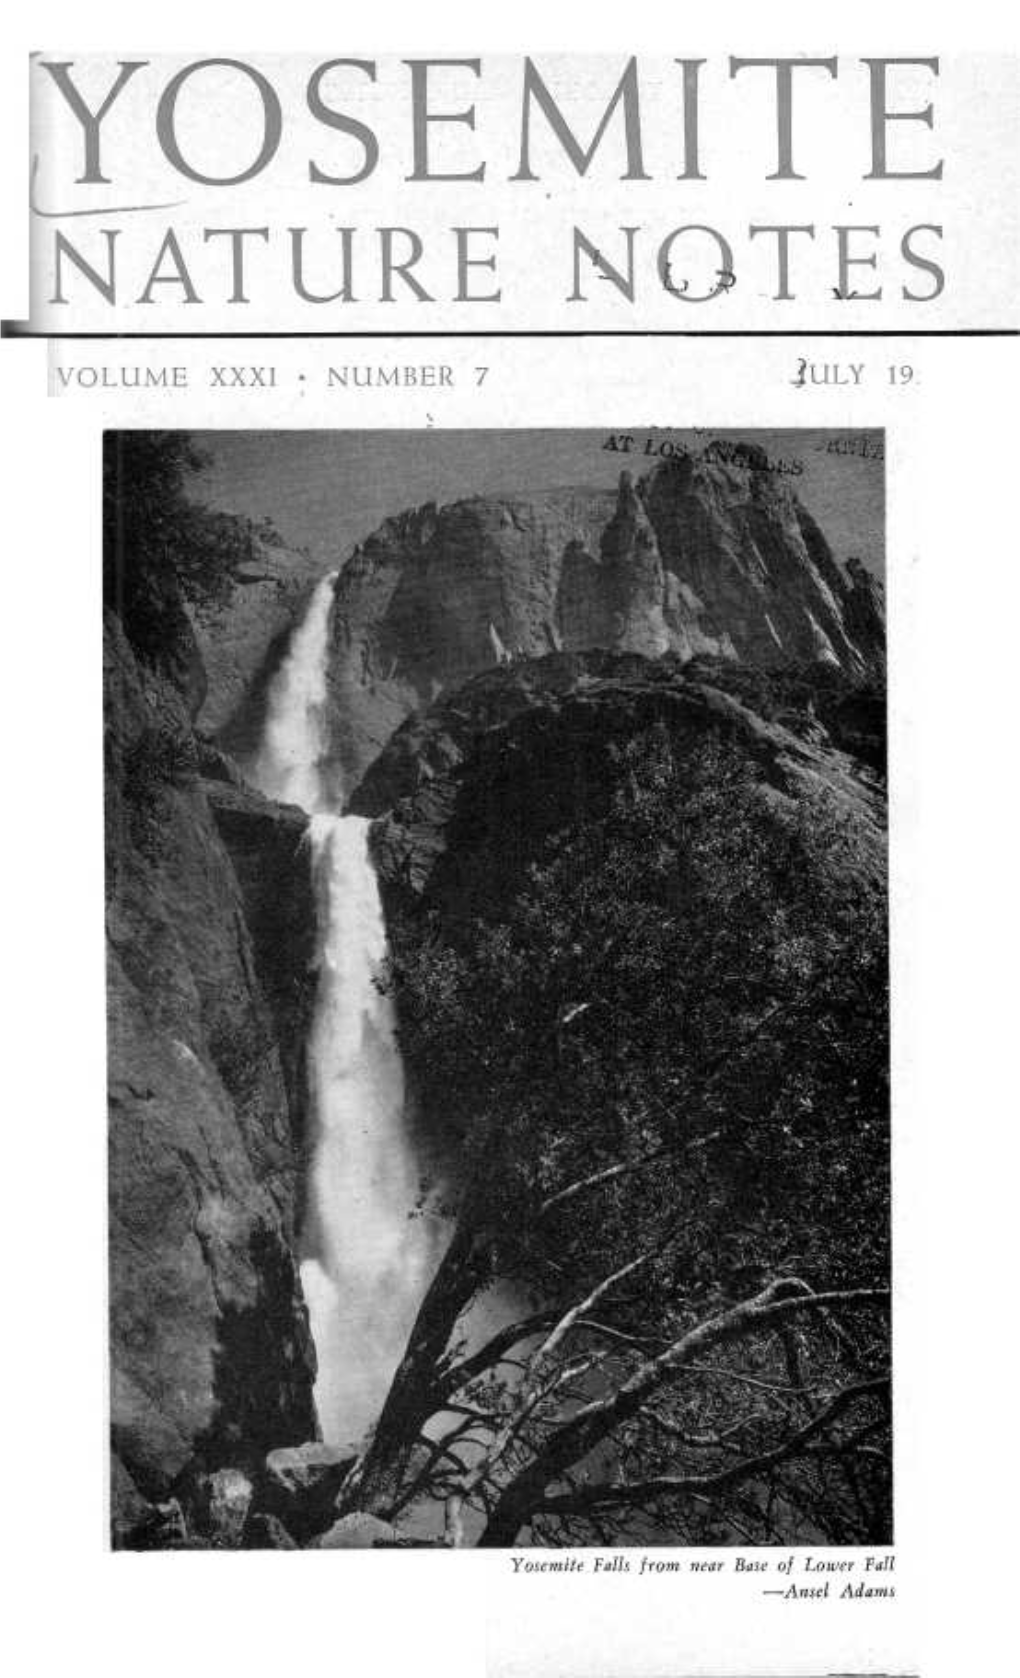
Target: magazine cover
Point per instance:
(490, 473)
(498, 981)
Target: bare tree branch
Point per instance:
(683, 1485)
(698, 1441)
(570, 1319)
(456, 1376)
(588, 1426)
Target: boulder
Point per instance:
(130, 1512)
(224, 1501)
(357, 1532)
(265, 1532)
(163, 1528)
(301, 1484)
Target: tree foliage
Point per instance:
(155, 532)
(664, 1060)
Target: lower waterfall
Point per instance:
(366, 1258)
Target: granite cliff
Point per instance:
(242, 644)
(466, 793)
(706, 555)
(210, 929)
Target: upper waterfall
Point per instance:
(288, 765)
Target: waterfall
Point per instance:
(288, 764)
(365, 1258)
(367, 1261)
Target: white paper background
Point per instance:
(954, 614)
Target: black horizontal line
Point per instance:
(20, 329)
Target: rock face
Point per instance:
(242, 645)
(706, 555)
(358, 1532)
(265, 1532)
(465, 794)
(301, 1485)
(209, 924)
(268, 846)
(437, 594)
(865, 609)
(223, 1505)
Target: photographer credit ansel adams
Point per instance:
(497, 974)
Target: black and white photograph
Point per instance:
(497, 975)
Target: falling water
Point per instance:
(288, 766)
(365, 1258)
